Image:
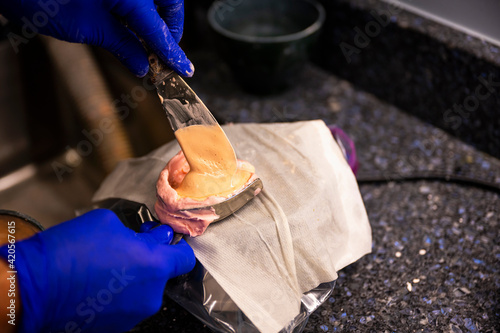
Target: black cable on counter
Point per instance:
(430, 176)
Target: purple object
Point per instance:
(347, 147)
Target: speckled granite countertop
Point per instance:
(447, 35)
(435, 264)
(424, 68)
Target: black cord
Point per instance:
(428, 175)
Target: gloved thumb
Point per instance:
(148, 225)
(153, 232)
(181, 258)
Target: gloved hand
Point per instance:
(98, 22)
(93, 273)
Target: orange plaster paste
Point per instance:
(204, 173)
(213, 169)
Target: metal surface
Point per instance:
(231, 205)
(15, 145)
(35, 190)
(180, 103)
(184, 108)
(91, 97)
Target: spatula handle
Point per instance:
(158, 70)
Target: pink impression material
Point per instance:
(171, 208)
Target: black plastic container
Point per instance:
(265, 43)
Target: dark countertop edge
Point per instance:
(451, 37)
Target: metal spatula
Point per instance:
(180, 103)
(184, 108)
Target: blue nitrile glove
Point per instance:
(93, 273)
(98, 22)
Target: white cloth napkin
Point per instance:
(308, 222)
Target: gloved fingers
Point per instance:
(122, 43)
(145, 21)
(181, 258)
(162, 234)
(172, 12)
(148, 225)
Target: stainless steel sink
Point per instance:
(51, 158)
